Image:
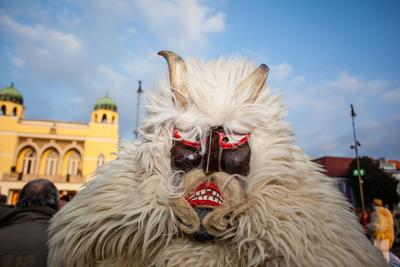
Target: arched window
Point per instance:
(29, 162)
(15, 111)
(3, 110)
(95, 117)
(113, 119)
(73, 163)
(104, 118)
(51, 163)
(100, 160)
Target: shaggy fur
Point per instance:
(133, 212)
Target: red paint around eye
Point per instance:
(177, 136)
(226, 144)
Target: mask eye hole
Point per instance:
(232, 140)
(189, 138)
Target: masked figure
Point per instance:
(215, 179)
(381, 228)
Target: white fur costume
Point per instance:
(291, 214)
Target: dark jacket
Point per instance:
(23, 237)
(4, 209)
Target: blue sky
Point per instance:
(323, 55)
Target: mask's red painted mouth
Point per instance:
(207, 194)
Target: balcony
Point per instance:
(14, 176)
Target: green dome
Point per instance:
(105, 102)
(10, 93)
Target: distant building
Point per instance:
(392, 167)
(64, 152)
(337, 168)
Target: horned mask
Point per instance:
(215, 165)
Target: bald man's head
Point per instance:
(40, 192)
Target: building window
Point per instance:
(15, 111)
(113, 119)
(341, 186)
(95, 117)
(100, 160)
(3, 110)
(51, 163)
(104, 118)
(29, 163)
(73, 164)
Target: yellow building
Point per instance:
(65, 152)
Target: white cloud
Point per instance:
(346, 81)
(392, 96)
(282, 71)
(182, 24)
(130, 32)
(376, 86)
(300, 79)
(320, 112)
(17, 61)
(350, 83)
(48, 53)
(379, 138)
(112, 79)
(42, 36)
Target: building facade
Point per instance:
(67, 153)
(337, 168)
(392, 167)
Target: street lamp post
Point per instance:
(139, 93)
(355, 147)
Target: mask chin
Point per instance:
(202, 234)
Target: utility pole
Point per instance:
(139, 93)
(355, 147)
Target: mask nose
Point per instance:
(212, 157)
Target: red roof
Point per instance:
(334, 166)
(396, 162)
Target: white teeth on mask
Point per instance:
(207, 194)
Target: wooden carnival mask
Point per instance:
(225, 152)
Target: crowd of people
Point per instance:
(23, 228)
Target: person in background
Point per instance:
(381, 228)
(364, 218)
(23, 231)
(63, 201)
(3, 207)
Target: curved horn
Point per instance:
(177, 77)
(255, 81)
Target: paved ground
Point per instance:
(396, 249)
